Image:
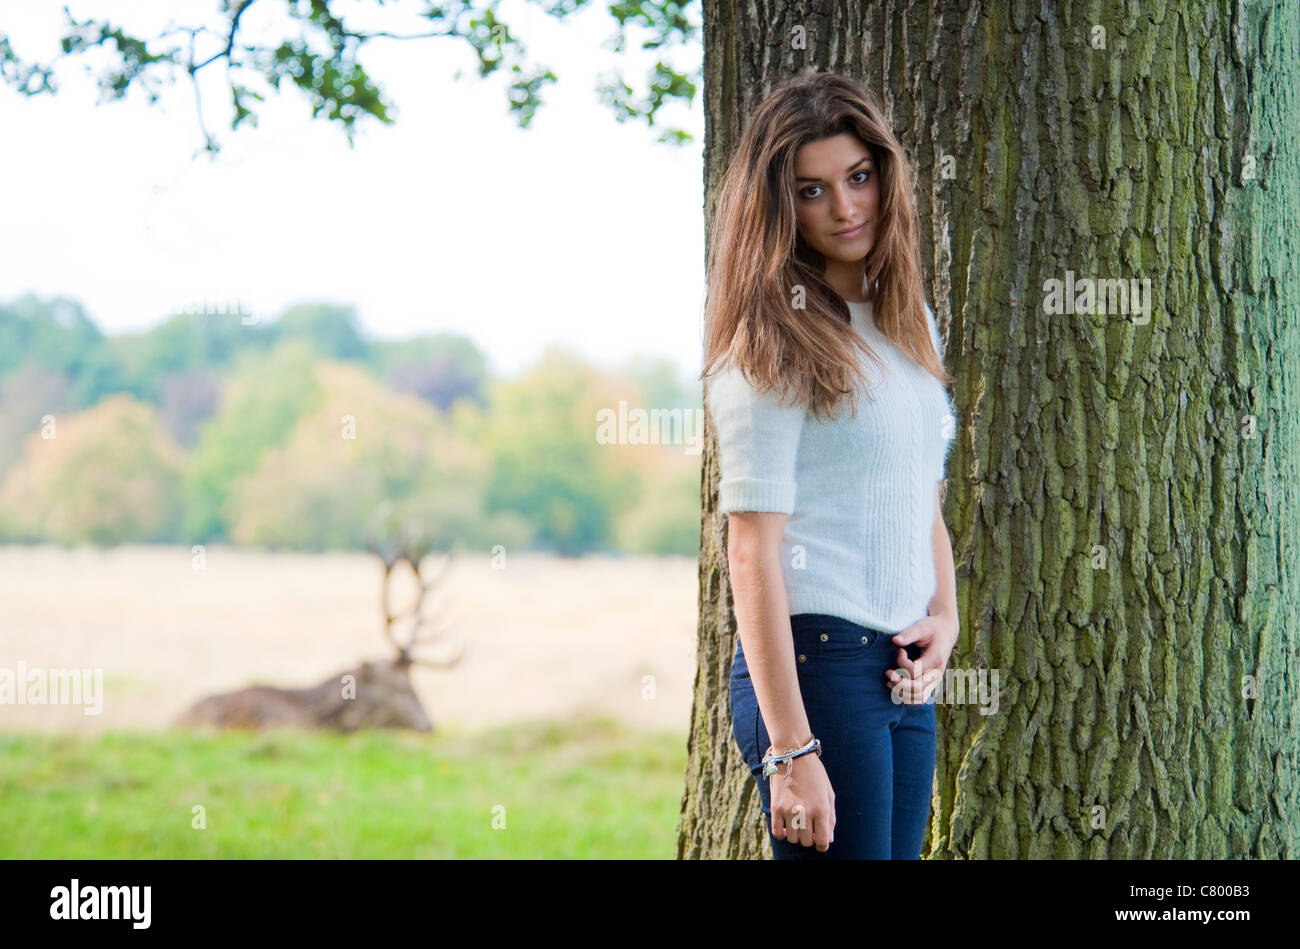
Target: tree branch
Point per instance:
(230, 43)
(337, 84)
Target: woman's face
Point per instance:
(837, 190)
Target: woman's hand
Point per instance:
(804, 812)
(937, 634)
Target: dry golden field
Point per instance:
(547, 637)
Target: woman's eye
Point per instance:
(804, 193)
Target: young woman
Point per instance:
(841, 567)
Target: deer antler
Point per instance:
(411, 547)
(434, 634)
(442, 663)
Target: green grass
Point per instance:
(576, 790)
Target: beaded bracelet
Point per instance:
(812, 746)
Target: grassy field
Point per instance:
(591, 788)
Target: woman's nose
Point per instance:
(843, 207)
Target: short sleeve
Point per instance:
(758, 444)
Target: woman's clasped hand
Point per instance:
(914, 680)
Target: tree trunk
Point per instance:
(1122, 493)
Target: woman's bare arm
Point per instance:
(944, 602)
(763, 621)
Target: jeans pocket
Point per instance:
(744, 711)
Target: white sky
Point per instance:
(579, 231)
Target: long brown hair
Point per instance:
(759, 263)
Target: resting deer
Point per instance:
(375, 694)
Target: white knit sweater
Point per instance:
(859, 492)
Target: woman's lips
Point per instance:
(851, 233)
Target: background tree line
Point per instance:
(207, 428)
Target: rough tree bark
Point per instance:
(1121, 494)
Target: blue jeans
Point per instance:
(878, 755)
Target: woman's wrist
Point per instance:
(948, 621)
(774, 760)
(783, 742)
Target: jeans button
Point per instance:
(825, 637)
(864, 639)
(802, 657)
